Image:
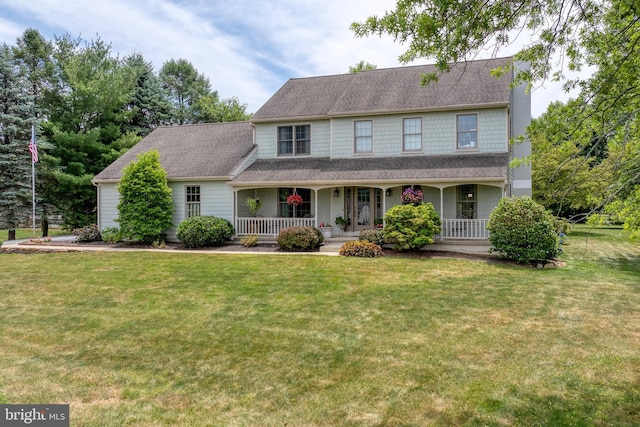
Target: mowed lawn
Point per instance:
(160, 339)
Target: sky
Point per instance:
(246, 48)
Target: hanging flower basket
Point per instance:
(412, 196)
(294, 200)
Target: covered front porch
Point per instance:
(463, 208)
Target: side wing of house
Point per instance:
(199, 160)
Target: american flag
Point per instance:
(33, 148)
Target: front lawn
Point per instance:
(154, 339)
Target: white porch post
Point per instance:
(441, 211)
(315, 207)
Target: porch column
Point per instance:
(235, 210)
(441, 211)
(315, 207)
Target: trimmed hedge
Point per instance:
(360, 248)
(201, 231)
(522, 231)
(411, 227)
(300, 239)
(373, 236)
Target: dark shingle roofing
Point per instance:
(488, 166)
(191, 151)
(388, 90)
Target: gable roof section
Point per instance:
(322, 170)
(191, 151)
(468, 84)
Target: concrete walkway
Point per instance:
(330, 248)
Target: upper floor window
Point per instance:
(193, 200)
(412, 134)
(363, 136)
(467, 131)
(294, 140)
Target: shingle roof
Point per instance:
(487, 166)
(388, 90)
(191, 151)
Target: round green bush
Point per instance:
(521, 230)
(299, 238)
(360, 248)
(411, 227)
(373, 236)
(201, 231)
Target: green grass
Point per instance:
(154, 339)
(27, 233)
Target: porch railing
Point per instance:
(269, 226)
(464, 229)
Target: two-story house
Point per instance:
(349, 145)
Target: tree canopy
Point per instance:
(91, 107)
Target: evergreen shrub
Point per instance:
(411, 227)
(201, 231)
(521, 230)
(360, 248)
(373, 236)
(299, 238)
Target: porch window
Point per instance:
(467, 125)
(363, 136)
(286, 210)
(412, 134)
(193, 200)
(466, 201)
(294, 140)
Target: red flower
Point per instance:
(294, 200)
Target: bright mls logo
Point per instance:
(34, 415)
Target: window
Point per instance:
(294, 140)
(363, 140)
(193, 200)
(412, 134)
(467, 131)
(286, 210)
(466, 202)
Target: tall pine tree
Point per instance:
(15, 124)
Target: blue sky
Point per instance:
(247, 48)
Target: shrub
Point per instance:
(522, 231)
(90, 233)
(200, 231)
(361, 249)
(111, 235)
(299, 238)
(249, 241)
(411, 227)
(373, 236)
(146, 207)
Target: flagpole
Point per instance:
(33, 183)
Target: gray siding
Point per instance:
(108, 198)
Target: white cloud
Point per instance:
(247, 49)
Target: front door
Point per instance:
(361, 205)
